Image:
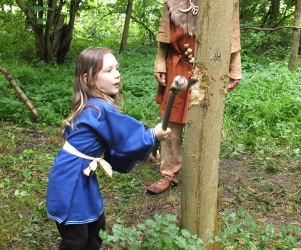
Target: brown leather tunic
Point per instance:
(176, 64)
(176, 61)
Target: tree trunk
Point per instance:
(126, 26)
(53, 38)
(275, 10)
(295, 38)
(204, 122)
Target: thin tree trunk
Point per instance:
(126, 26)
(271, 16)
(204, 122)
(296, 38)
(19, 91)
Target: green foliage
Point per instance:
(138, 84)
(257, 13)
(264, 47)
(124, 185)
(159, 233)
(260, 45)
(103, 23)
(266, 108)
(49, 87)
(15, 38)
(22, 190)
(241, 231)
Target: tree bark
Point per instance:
(126, 26)
(272, 15)
(204, 122)
(19, 91)
(295, 38)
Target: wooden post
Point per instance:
(204, 123)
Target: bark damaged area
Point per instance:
(199, 91)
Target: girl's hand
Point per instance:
(160, 133)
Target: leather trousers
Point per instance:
(171, 152)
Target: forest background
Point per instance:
(260, 188)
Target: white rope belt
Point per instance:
(94, 161)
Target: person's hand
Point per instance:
(161, 134)
(232, 84)
(154, 159)
(161, 78)
(151, 159)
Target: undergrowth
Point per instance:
(238, 231)
(26, 156)
(263, 112)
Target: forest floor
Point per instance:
(272, 194)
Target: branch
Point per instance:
(271, 29)
(284, 18)
(142, 24)
(135, 20)
(29, 14)
(19, 91)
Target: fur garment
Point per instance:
(185, 20)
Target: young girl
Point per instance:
(95, 127)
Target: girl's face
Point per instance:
(108, 78)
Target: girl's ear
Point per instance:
(85, 78)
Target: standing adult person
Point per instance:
(176, 37)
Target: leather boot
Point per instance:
(160, 186)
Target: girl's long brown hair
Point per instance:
(90, 62)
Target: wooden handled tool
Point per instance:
(178, 85)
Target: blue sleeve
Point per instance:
(126, 138)
(126, 135)
(120, 162)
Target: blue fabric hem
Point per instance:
(74, 222)
(54, 218)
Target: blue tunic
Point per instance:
(74, 198)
